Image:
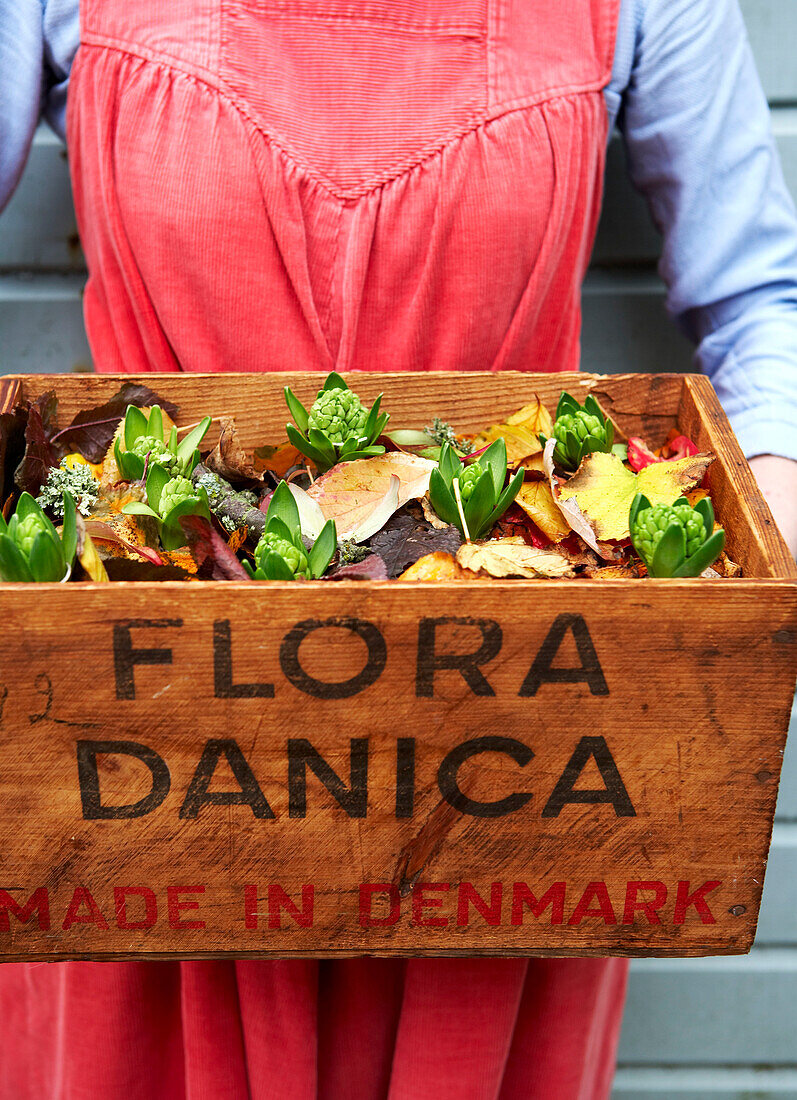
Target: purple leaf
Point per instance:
(92, 430)
(40, 453)
(215, 559)
(404, 539)
(12, 445)
(371, 568)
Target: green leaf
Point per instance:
(137, 508)
(305, 448)
(131, 467)
(192, 440)
(135, 426)
(173, 439)
(381, 424)
(348, 448)
(638, 504)
(494, 460)
(670, 553)
(620, 449)
(296, 409)
(322, 444)
(593, 408)
(28, 506)
(157, 479)
(69, 529)
(706, 509)
(334, 382)
(567, 405)
(155, 423)
(13, 566)
(277, 526)
(373, 419)
(609, 427)
(323, 548)
(282, 506)
(449, 465)
(364, 452)
(3, 525)
(248, 567)
(481, 503)
(704, 556)
(506, 498)
(276, 568)
(46, 559)
(442, 499)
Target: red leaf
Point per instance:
(214, 557)
(640, 455)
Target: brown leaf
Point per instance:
(512, 557)
(431, 516)
(12, 444)
(124, 569)
(113, 542)
(228, 458)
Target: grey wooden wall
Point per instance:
(715, 1029)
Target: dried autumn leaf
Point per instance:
(603, 488)
(87, 553)
(228, 458)
(371, 568)
(520, 432)
(404, 539)
(534, 467)
(536, 500)
(512, 557)
(357, 494)
(573, 515)
(277, 459)
(435, 567)
(114, 544)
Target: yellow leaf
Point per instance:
(87, 553)
(536, 500)
(520, 432)
(603, 488)
(434, 567)
(511, 557)
(534, 465)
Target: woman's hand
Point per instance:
(777, 479)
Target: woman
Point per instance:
(266, 184)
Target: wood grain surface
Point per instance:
(505, 768)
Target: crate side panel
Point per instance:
(297, 777)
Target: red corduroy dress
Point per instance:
(319, 184)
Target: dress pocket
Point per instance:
(356, 91)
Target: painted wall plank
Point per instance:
(41, 324)
(777, 922)
(38, 228)
(725, 1011)
(787, 794)
(671, 1083)
(772, 30)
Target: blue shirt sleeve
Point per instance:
(38, 40)
(698, 135)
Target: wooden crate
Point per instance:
(505, 768)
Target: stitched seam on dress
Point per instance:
(370, 183)
(453, 30)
